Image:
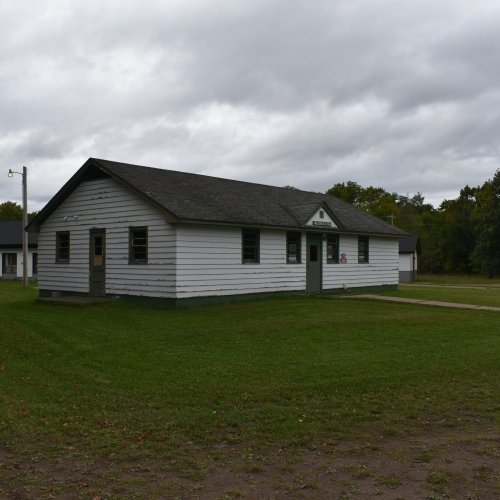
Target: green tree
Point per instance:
(374, 200)
(431, 242)
(462, 236)
(378, 202)
(409, 213)
(349, 191)
(459, 231)
(486, 254)
(422, 219)
(10, 210)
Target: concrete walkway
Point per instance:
(435, 303)
(435, 285)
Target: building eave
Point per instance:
(306, 229)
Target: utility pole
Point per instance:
(25, 223)
(24, 175)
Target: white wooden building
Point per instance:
(11, 251)
(409, 248)
(124, 230)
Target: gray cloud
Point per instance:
(395, 94)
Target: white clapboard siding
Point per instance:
(104, 204)
(382, 268)
(408, 262)
(188, 260)
(209, 263)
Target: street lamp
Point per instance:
(24, 175)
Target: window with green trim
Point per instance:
(138, 245)
(363, 249)
(250, 246)
(332, 249)
(293, 249)
(62, 247)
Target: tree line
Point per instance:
(460, 236)
(10, 210)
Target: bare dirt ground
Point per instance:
(439, 464)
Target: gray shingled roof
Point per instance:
(199, 198)
(11, 234)
(409, 244)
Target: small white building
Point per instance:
(11, 250)
(409, 248)
(116, 229)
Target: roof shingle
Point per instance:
(212, 199)
(11, 234)
(199, 198)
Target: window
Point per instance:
(62, 247)
(250, 243)
(313, 253)
(321, 214)
(363, 249)
(332, 249)
(98, 246)
(34, 263)
(138, 245)
(293, 254)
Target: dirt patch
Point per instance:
(432, 465)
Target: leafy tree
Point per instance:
(420, 218)
(459, 231)
(486, 254)
(409, 213)
(10, 210)
(32, 215)
(431, 242)
(378, 202)
(374, 200)
(462, 236)
(349, 191)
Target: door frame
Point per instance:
(318, 270)
(94, 291)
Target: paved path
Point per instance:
(436, 303)
(434, 285)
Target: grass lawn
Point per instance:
(458, 280)
(159, 400)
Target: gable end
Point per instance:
(90, 170)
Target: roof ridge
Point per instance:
(209, 176)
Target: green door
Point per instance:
(97, 284)
(314, 249)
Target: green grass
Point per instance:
(458, 279)
(118, 381)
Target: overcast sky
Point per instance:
(401, 94)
